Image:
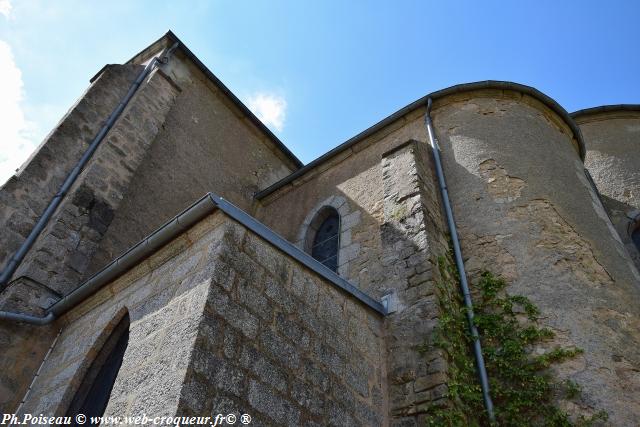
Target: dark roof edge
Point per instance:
(296, 253)
(224, 89)
(169, 231)
(465, 87)
(605, 109)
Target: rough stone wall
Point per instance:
(164, 300)
(23, 348)
(58, 259)
(353, 180)
(385, 192)
(222, 322)
(205, 145)
(613, 159)
(413, 237)
(25, 195)
(526, 211)
(282, 343)
(166, 150)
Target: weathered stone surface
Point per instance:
(502, 187)
(202, 146)
(60, 262)
(188, 350)
(551, 241)
(24, 197)
(222, 322)
(289, 366)
(129, 187)
(412, 238)
(611, 140)
(490, 142)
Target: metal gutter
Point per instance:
(605, 109)
(121, 264)
(304, 258)
(225, 90)
(461, 88)
(457, 251)
(19, 255)
(163, 235)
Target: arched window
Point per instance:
(93, 394)
(325, 230)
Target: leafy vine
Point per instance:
(523, 389)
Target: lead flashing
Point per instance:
(288, 248)
(169, 231)
(605, 109)
(461, 88)
(169, 38)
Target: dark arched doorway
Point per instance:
(93, 395)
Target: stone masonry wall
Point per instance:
(164, 306)
(165, 150)
(413, 237)
(23, 348)
(386, 195)
(613, 160)
(286, 346)
(353, 183)
(204, 145)
(25, 195)
(60, 257)
(525, 211)
(57, 260)
(222, 322)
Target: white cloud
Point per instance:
(5, 8)
(16, 143)
(269, 108)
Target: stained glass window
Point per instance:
(326, 241)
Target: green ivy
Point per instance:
(522, 388)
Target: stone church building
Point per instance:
(165, 254)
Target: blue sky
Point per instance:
(317, 72)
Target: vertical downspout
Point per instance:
(18, 256)
(464, 285)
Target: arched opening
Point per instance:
(323, 239)
(93, 395)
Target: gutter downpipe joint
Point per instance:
(464, 285)
(121, 264)
(18, 256)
